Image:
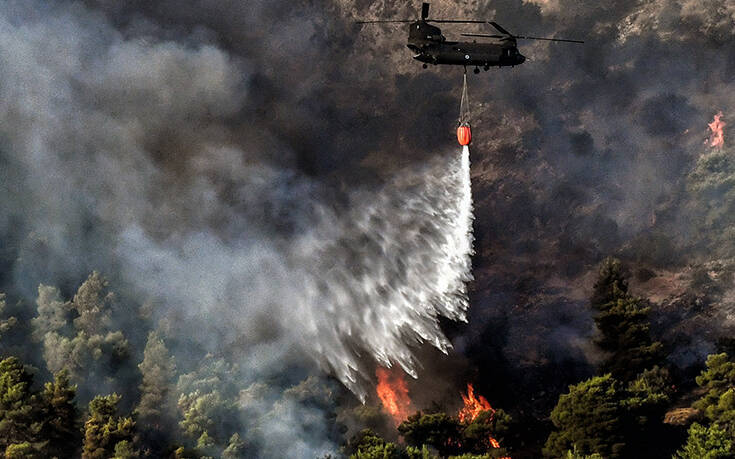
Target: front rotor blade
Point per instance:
(484, 35)
(500, 29)
(550, 39)
(386, 21)
(456, 21)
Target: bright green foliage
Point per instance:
(209, 414)
(707, 443)
(450, 436)
(23, 450)
(574, 455)
(124, 450)
(20, 417)
(718, 403)
(368, 445)
(648, 396)
(438, 430)
(105, 429)
(61, 427)
(589, 419)
(235, 448)
(412, 452)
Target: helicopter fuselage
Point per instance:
(468, 54)
(431, 47)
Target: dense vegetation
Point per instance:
(636, 406)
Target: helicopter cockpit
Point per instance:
(421, 32)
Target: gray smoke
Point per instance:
(132, 152)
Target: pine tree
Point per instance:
(92, 303)
(589, 419)
(625, 335)
(61, 420)
(20, 416)
(235, 448)
(158, 370)
(707, 443)
(623, 325)
(718, 403)
(53, 313)
(611, 284)
(105, 429)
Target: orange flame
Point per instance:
(393, 393)
(717, 136)
(473, 406)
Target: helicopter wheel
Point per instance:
(425, 66)
(477, 70)
(486, 68)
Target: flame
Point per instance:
(393, 393)
(473, 406)
(717, 136)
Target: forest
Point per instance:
(69, 403)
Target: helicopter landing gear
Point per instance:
(477, 70)
(426, 66)
(486, 68)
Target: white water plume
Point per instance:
(373, 280)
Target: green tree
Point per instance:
(76, 336)
(438, 430)
(92, 304)
(125, 450)
(53, 314)
(623, 325)
(23, 450)
(20, 414)
(611, 284)
(158, 369)
(61, 417)
(104, 429)
(476, 435)
(574, 455)
(589, 419)
(235, 448)
(718, 402)
(707, 443)
(368, 445)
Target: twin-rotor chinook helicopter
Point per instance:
(431, 47)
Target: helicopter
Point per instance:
(431, 47)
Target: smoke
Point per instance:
(376, 277)
(144, 154)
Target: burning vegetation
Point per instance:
(393, 393)
(717, 134)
